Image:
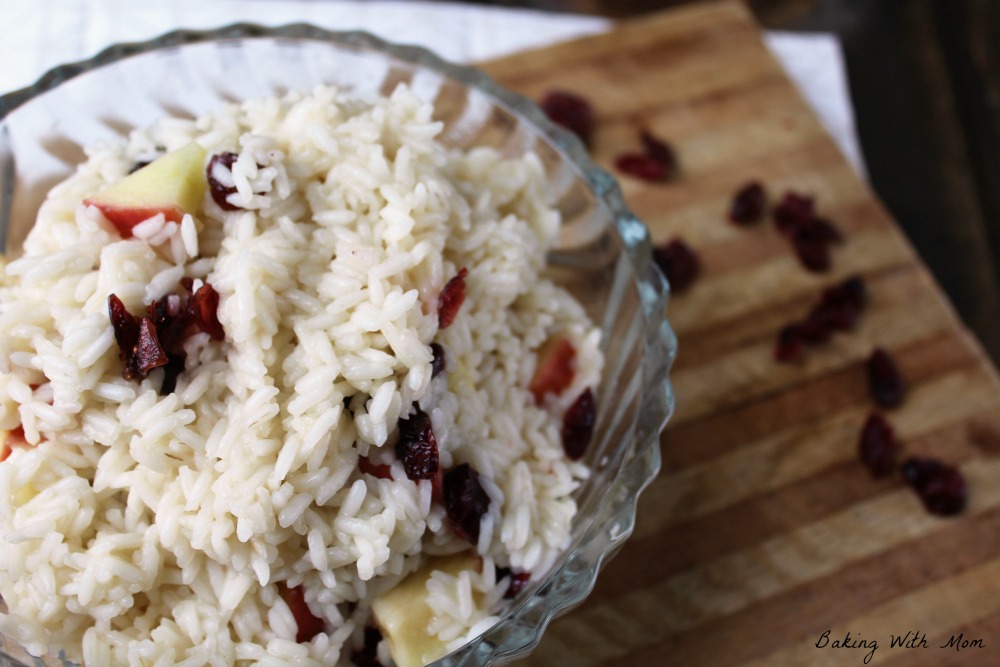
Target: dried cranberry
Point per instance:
(814, 331)
(825, 230)
(790, 344)
(578, 425)
(643, 167)
(204, 309)
(451, 299)
(793, 211)
(885, 382)
(157, 340)
(138, 345)
(147, 354)
(465, 501)
(678, 262)
(877, 446)
(438, 363)
(941, 487)
(417, 448)
(368, 655)
(813, 251)
(518, 580)
(125, 326)
(380, 470)
(171, 371)
(308, 624)
(219, 191)
(748, 204)
(837, 310)
(840, 305)
(661, 151)
(571, 111)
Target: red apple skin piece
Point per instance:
(9, 440)
(309, 625)
(173, 185)
(555, 368)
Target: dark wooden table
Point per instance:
(925, 82)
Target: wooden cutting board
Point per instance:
(763, 531)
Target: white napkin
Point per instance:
(41, 34)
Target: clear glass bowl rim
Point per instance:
(565, 586)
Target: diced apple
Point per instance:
(173, 185)
(403, 616)
(554, 369)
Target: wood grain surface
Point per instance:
(763, 531)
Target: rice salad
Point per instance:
(235, 428)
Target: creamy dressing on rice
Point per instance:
(143, 529)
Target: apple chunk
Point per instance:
(554, 369)
(402, 614)
(173, 185)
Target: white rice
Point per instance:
(141, 529)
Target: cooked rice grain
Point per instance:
(153, 529)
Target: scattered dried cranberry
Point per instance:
(417, 448)
(368, 655)
(678, 262)
(172, 370)
(157, 340)
(451, 299)
(748, 204)
(840, 305)
(138, 345)
(941, 487)
(147, 354)
(308, 624)
(877, 446)
(812, 240)
(380, 470)
(885, 382)
(811, 236)
(125, 326)
(837, 310)
(793, 211)
(438, 363)
(571, 111)
(814, 331)
(790, 344)
(825, 230)
(578, 425)
(518, 580)
(465, 501)
(813, 252)
(661, 151)
(218, 190)
(204, 311)
(643, 167)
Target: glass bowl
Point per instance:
(603, 257)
